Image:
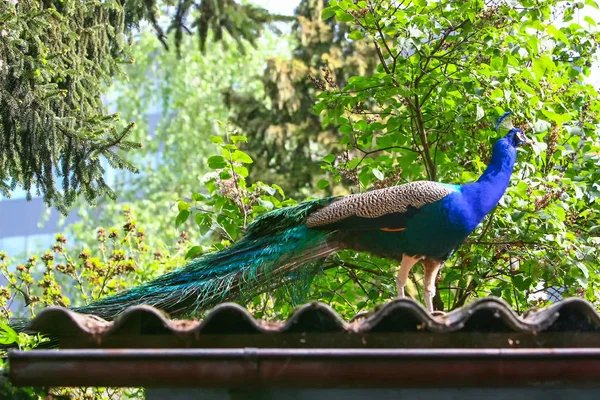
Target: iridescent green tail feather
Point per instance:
(274, 246)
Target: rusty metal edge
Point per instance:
(307, 368)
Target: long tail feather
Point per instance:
(277, 247)
(275, 244)
(248, 267)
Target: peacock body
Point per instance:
(422, 220)
(419, 221)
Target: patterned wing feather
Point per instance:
(386, 208)
(280, 220)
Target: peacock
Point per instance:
(422, 221)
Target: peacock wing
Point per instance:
(279, 220)
(384, 209)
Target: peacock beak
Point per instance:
(522, 139)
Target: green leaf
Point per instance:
(378, 174)
(589, 20)
(557, 34)
(480, 113)
(343, 16)
(266, 204)
(224, 175)
(182, 205)
(182, 217)
(451, 276)
(496, 291)
(242, 157)
(193, 252)
(584, 270)
(393, 123)
(521, 283)
(204, 223)
(373, 294)
(346, 129)
(517, 215)
(329, 158)
(541, 126)
(198, 197)
(497, 94)
(353, 163)
(216, 139)
(361, 125)
(556, 117)
(279, 189)
(269, 190)
(241, 170)
(238, 138)
(319, 107)
(217, 162)
(328, 13)
(7, 334)
(323, 184)
(356, 35)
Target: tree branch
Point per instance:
(423, 135)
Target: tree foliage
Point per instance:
(177, 104)
(56, 59)
(446, 72)
(244, 22)
(286, 139)
(66, 275)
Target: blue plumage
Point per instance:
(428, 232)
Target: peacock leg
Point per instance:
(431, 269)
(407, 263)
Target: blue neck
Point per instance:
(484, 194)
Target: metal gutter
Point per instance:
(307, 368)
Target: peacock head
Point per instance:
(517, 138)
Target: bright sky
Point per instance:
(285, 7)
